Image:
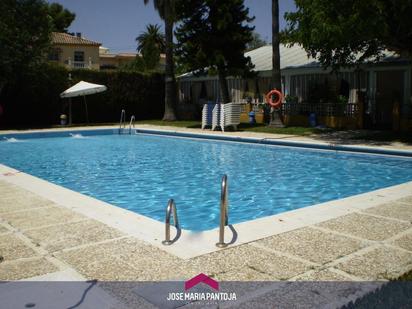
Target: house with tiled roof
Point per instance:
(113, 61)
(74, 51)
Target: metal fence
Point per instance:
(321, 109)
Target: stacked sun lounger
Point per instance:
(226, 115)
(207, 115)
(216, 114)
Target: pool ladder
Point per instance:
(224, 218)
(131, 123)
(122, 124)
(171, 211)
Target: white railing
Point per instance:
(79, 64)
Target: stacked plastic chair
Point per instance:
(207, 115)
(230, 116)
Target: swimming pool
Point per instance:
(141, 172)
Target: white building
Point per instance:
(316, 89)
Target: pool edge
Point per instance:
(280, 142)
(192, 244)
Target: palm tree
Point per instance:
(165, 8)
(276, 77)
(150, 44)
(152, 35)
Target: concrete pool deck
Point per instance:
(369, 237)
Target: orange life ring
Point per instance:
(269, 98)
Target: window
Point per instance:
(54, 54)
(79, 56)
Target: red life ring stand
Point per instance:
(269, 98)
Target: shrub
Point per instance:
(33, 100)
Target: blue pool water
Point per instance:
(142, 172)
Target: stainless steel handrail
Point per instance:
(170, 209)
(132, 119)
(224, 219)
(122, 120)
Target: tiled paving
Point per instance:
(13, 248)
(312, 245)
(39, 235)
(366, 226)
(40, 217)
(380, 263)
(39, 238)
(401, 210)
(404, 241)
(3, 229)
(73, 234)
(25, 268)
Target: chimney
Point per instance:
(79, 34)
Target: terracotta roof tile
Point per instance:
(65, 38)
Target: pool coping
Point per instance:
(227, 136)
(192, 244)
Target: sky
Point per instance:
(116, 24)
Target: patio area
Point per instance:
(41, 239)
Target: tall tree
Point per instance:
(25, 29)
(275, 119)
(342, 33)
(256, 42)
(276, 77)
(150, 44)
(166, 10)
(61, 17)
(213, 35)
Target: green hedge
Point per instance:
(33, 99)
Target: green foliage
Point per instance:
(139, 94)
(61, 17)
(167, 12)
(25, 28)
(291, 99)
(165, 8)
(153, 36)
(341, 99)
(34, 98)
(256, 42)
(342, 33)
(137, 65)
(150, 44)
(214, 35)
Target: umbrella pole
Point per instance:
(70, 111)
(87, 112)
